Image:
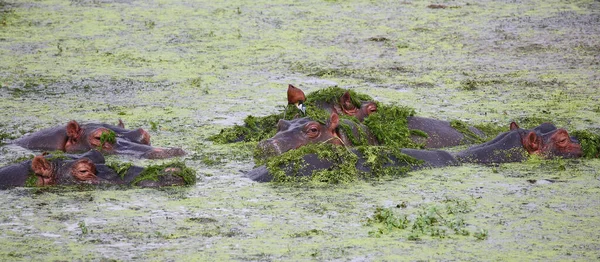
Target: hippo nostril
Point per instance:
(269, 147)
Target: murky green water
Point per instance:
(185, 70)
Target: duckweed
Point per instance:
(154, 172)
(590, 142)
(341, 165)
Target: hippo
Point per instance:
(439, 133)
(312, 162)
(516, 145)
(88, 168)
(294, 133)
(110, 139)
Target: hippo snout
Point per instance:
(269, 148)
(162, 153)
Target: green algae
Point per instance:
(433, 220)
(154, 172)
(107, 137)
(287, 167)
(421, 66)
(390, 126)
(470, 136)
(589, 141)
(382, 162)
(120, 167)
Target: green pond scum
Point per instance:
(177, 168)
(382, 162)
(439, 220)
(184, 70)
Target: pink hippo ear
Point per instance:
(334, 121)
(73, 131)
(514, 126)
(120, 124)
(41, 166)
(346, 102)
(532, 143)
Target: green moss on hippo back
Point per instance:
(254, 129)
(387, 161)
(120, 168)
(491, 130)
(178, 168)
(332, 95)
(463, 128)
(286, 167)
(590, 142)
(55, 155)
(390, 126)
(380, 162)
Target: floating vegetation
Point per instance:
(390, 126)
(469, 135)
(120, 168)
(590, 142)
(107, 137)
(178, 168)
(436, 220)
(331, 164)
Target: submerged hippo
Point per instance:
(75, 137)
(88, 168)
(439, 133)
(513, 146)
(516, 145)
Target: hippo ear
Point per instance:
(334, 121)
(73, 130)
(120, 124)
(346, 101)
(514, 126)
(41, 166)
(532, 143)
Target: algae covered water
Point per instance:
(185, 70)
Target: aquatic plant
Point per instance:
(107, 137)
(339, 165)
(434, 220)
(390, 126)
(154, 172)
(590, 142)
(120, 167)
(469, 135)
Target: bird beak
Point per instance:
(301, 107)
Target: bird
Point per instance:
(296, 97)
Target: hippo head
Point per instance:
(349, 109)
(63, 172)
(295, 133)
(101, 136)
(554, 142)
(515, 145)
(558, 143)
(114, 140)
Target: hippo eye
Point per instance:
(372, 109)
(312, 131)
